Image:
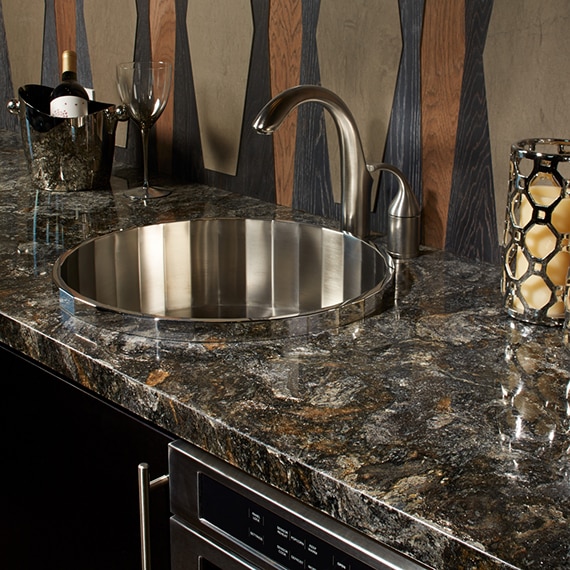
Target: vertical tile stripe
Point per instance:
(403, 142)
(285, 43)
(471, 229)
(186, 144)
(442, 55)
(50, 68)
(142, 36)
(84, 74)
(162, 15)
(65, 26)
(313, 188)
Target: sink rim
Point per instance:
(204, 329)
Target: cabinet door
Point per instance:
(68, 485)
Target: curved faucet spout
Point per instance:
(356, 181)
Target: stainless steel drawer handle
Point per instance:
(145, 487)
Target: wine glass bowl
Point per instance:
(144, 88)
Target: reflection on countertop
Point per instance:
(439, 426)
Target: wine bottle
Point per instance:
(69, 99)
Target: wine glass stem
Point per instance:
(145, 132)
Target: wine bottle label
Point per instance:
(69, 107)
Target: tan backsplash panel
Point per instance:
(220, 37)
(359, 45)
(111, 30)
(24, 35)
(526, 71)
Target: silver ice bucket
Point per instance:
(66, 155)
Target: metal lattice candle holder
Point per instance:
(537, 231)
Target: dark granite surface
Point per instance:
(440, 426)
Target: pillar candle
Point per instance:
(540, 241)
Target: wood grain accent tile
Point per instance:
(65, 11)
(132, 153)
(50, 55)
(285, 43)
(84, 74)
(142, 41)
(162, 15)
(403, 142)
(471, 228)
(442, 58)
(186, 145)
(312, 187)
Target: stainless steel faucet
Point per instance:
(356, 181)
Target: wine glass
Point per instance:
(144, 88)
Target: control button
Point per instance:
(313, 549)
(282, 532)
(256, 517)
(255, 536)
(283, 552)
(298, 540)
(297, 561)
(313, 562)
(341, 564)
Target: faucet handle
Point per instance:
(372, 168)
(403, 215)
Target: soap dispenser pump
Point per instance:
(403, 233)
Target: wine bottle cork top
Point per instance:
(68, 61)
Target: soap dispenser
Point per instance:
(403, 229)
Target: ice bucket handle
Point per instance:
(14, 106)
(116, 113)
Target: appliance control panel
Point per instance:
(266, 532)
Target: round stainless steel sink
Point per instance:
(225, 279)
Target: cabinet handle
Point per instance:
(145, 487)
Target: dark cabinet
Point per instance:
(68, 492)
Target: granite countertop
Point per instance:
(440, 426)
